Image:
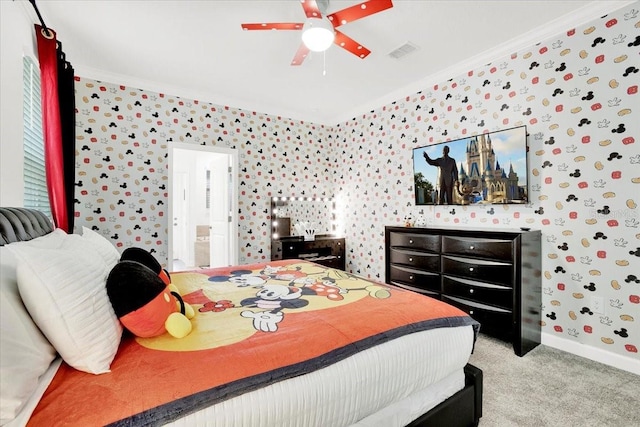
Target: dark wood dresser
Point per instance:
(327, 250)
(493, 275)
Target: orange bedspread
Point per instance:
(254, 325)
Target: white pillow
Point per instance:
(52, 240)
(103, 246)
(25, 354)
(64, 291)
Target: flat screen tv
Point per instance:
(484, 169)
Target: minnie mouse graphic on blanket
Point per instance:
(282, 289)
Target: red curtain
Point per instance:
(60, 193)
(67, 98)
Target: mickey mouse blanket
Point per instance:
(254, 325)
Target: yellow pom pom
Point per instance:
(178, 325)
(188, 311)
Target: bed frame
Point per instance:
(20, 224)
(463, 409)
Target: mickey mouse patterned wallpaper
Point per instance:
(577, 94)
(122, 178)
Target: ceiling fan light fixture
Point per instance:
(318, 34)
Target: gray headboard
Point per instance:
(20, 224)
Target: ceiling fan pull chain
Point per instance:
(324, 63)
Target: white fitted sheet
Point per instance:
(388, 385)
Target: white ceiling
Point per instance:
(197, 49)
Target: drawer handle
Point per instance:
(290, 248)
(411, 241)
(410, 277)
(470, 291)
(472, 247)
(470, 268)
(410, 259)
(470, 311)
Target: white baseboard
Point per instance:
(625, 363)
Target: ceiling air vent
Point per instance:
(403, 50)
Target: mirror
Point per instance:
(302, 216)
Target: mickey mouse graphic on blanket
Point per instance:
(272, 298)
(236, 304)
(325, 286)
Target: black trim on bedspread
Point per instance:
(184, 406)
(21, 224)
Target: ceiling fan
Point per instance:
(322, 28)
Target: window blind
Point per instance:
(35, 184)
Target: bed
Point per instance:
(280, 343)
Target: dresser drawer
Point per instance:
(330, 261)
(493, 321)
(494, 295)
(292, 249)
(426, 242)
(334, 246)
(489, 271)
(422, 260)
(478, 247)
(415, 278)
(429, 293)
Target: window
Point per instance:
(35, 184)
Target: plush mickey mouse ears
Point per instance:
(131, 285)
(143, 257)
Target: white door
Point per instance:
(220, 211)
(221, 214)
(180, 217)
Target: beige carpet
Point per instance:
(550, 387)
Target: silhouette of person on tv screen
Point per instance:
(448, 175)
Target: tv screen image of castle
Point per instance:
(491, 169)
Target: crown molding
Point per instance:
(200, 95)
(559, 25)
(553, 28)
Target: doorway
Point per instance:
(203, 226)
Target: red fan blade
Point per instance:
(351, 45)
(358, 11)
(311, 8)
(274, 26)
(301, 54)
